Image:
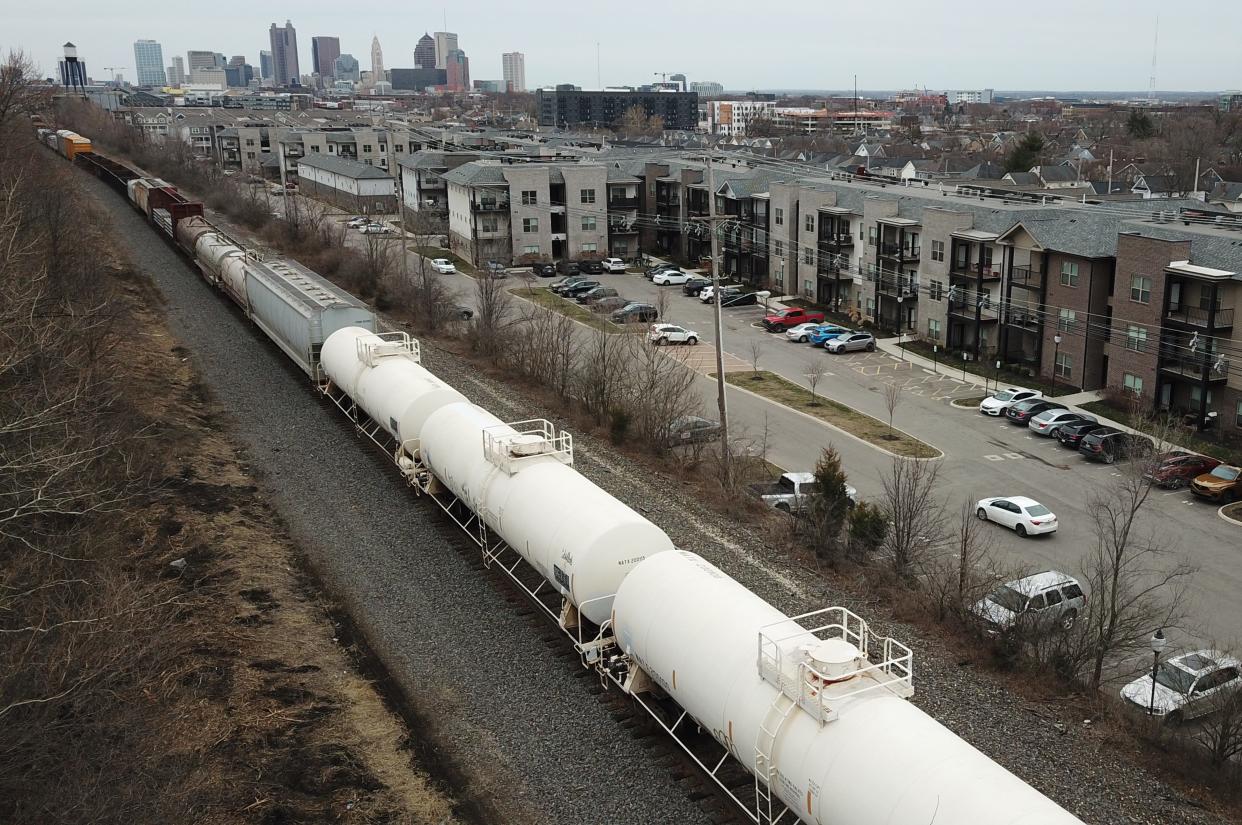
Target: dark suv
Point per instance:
(635, 313)
(544, 269)
(1071, 435)
(695, 284)
(1108, 444)
(1024, 411)
(591, 267)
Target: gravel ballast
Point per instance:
(441, 626)
(500, 702)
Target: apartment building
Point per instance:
(353, 186)
(527, 212)
(424, 187)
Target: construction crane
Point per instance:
(111, 70)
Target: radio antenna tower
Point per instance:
(1151, 84)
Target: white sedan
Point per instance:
(443, 265)
(995, 405)
(802, 332)
(672, 334)
(670, 276)
(373, 229)
(1025, 516)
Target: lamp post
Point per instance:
(1158, 641)
(1056, 352)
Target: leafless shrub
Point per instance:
(493, 305)
(964, 572)
(892, 398)
(815, 373)
(915, 513)
(754, 353)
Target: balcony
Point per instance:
(620, 226)
(963, 269)
(1027, 321)
(902, 287)
(1197, 317)
(900, 252)
(491, 205)
(1027, 277)
(966, 310)
(836, 242)
(1192, 365)
(623, 203)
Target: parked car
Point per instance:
(1223, 484)
(1108, 444)
(1047, 600)
(635, 312)
(997, 404)
(613, 265)
(593, 295)
(579, 288)
(1178, 468)
(544, 269)
(1025, 516)
(609, 305)
(567, 267)
(792, 492)
(443, 265)
(1023, 411)
(669, 276)
(739, 299)
(591, 266)
(695, 284)
(709, 293)
(853, 342)
(692, 429)
(563, 284)
(277, 191)
(357, 222)
(652, 271)
(1049, 421)
(801, 333)
(786, 318)
(1186, 686)
(826, 332)
(1071, 435)
(374, 229)
(672, 334)
(495, 269)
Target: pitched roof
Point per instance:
(477, 173)
(341, 166)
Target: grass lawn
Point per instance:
(872, 430)
(437, 252)
(549, 300)
(1225, 452)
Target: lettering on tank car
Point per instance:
(628, 562)
(562, 578)
(792, 791)
(392, 423)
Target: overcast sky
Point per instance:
(938, 44)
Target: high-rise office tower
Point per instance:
(176, 76)
(345, 67)
(425, 52)
(285, 71)
(324, 52)
(457, 70)
(445, 43)
(377, 61)
(513, 68)
(265, 65)
(200, 60)
(149, 63)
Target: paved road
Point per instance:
(984, 456)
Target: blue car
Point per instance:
(825, 333)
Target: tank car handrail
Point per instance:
(539, 435)
(371, 348)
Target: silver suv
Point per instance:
(1045, 600)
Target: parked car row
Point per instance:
(604, 299)
(587, 266)
(367, 226)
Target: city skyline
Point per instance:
(916, 47)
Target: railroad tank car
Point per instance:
(828, 726)
(578, 537)
(223, 264)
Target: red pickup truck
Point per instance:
(786, 318)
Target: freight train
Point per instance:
(812, 711)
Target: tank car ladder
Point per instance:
(765, 742)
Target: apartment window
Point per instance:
(590, 247)
(1136, 338)
(1132, 383)
(367, 161)
(488, 224)
(366, 147)
(808, 255)
(397, 147)
(621, 248)
(530, 250)
(530, 224)
(1196, 396)
(871, 236)
(530, 197)
(778, 216)
(588, 222)
(935, 289)
(588, 196)
(1067, 320)
(1205, 299)
(1140, 289)
(778, 248)
(314, 148)
(383, 147)
(933, 329)
(1237, 415)
(810, 223)
(1069, 273)
(250, 141)
(937, 250)
(1064, 367)
(808, 288)
(250, 155)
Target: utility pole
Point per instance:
(725, 458)
(394, 169)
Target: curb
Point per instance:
(1221, 513)
(831, 426)
(958, 406)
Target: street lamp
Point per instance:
(1056, 352)
(1158, 641)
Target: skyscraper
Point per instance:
(513, 68)
(201, 60)
(377, 61)
(457, 67)
(678, 78)
(345, 67)
(149, 63)
(265, 65)
(285, 71)
(445, 43)
(324, 52)
(176, 77)
(425, 52)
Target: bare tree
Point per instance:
(814, 374)
(492, 314)
(892, 397)
(965, 571)
(916, 515)
(754, 353)
(659, 391)
(1220, 735)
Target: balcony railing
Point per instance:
(836, 241)
(1025, 320)
(1197, 317)
(907, 288)
(905, 253)
(1192, 365)
(1030, 277)
(623, 203)
(491, 204)
(966, 309)
(990, 272)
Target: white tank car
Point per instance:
(842, 746)
(580, 539)
(224, 264)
